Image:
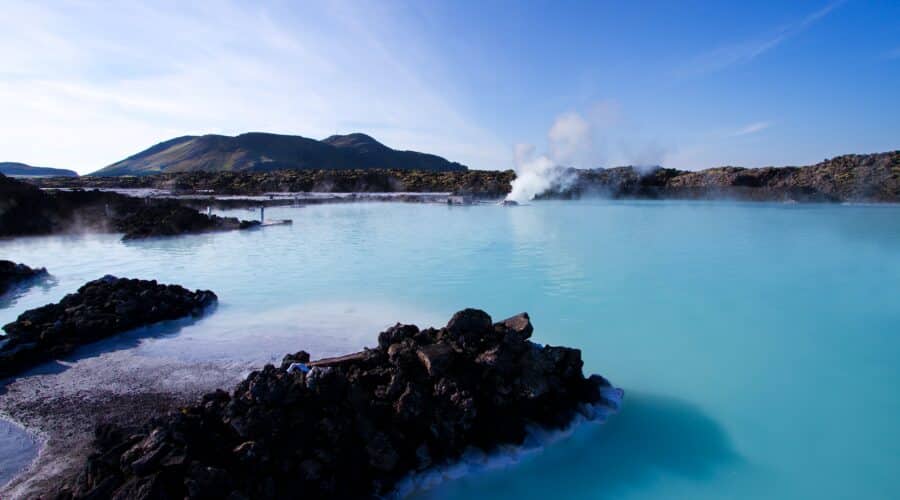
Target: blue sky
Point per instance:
(685, 84)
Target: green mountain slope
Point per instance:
(260, 152)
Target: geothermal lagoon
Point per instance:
(756, 343)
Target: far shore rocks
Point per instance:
(99, 309)
(12, 274)
(847, 178)
(355, 425)
(169, 219)
(26, 210)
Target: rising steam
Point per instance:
(570, 141)
(573, 140)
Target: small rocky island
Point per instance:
(12, 274)
(353, 426)
(99, 309)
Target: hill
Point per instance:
(262, 152)
(23, 170)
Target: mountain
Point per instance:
(262, 152)
(23, 170)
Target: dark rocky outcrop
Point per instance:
(27, 210)
(169, 219)
(481, 183)
(868, 178)
(99, 309)
(12, 274)
(353, 426)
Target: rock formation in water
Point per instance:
(169, 219)
(868, 177)
(353, 426)
(27, 210)
(99, 309)
(12, 274)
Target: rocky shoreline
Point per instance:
(13, 274)
(353, 426)
(861, 178)
(26, 210)
(99, 309)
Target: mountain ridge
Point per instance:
(16, 169)
(262, 152)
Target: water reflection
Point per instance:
(652, 435)
(21, 288)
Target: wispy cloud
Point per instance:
(892, 54)
(84, 84)
(744, 51)
(751, 128)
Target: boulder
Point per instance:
(519, 324)
(436, 358)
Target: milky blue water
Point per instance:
(758, 344)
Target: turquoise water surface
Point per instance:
(758, 344)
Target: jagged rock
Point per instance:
(436, 358)
(351, 426)
(99, 309)
(520, 324)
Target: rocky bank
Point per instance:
(12, 274)
(99, 309)
(26, 210)
(353, 426)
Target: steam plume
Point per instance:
(573, 140)
(570, 140)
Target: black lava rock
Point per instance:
(353, 426)
(101, 308)
(12, 274)
(27, 210)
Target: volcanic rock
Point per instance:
(99, 309)
(12, 274)
(27, 210)
(353, 426)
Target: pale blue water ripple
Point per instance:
(757, 343)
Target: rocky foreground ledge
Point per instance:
(100, 309)
(12, 274)
(350, 427)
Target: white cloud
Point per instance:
(751, 128)
(570, 138)
(747, 50)
(85, 84)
